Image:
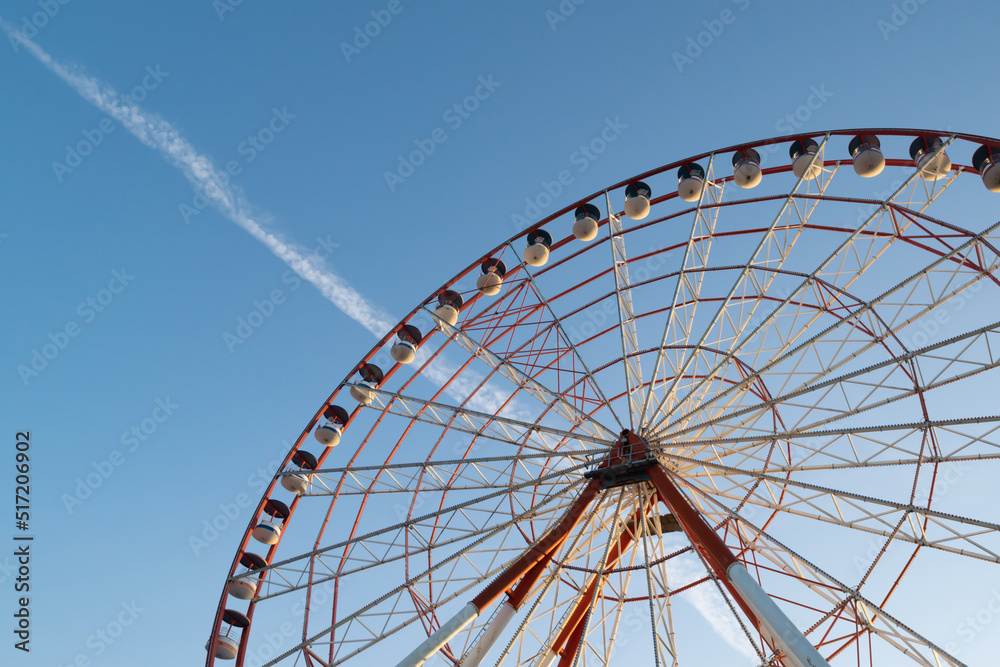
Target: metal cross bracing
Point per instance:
(497, 427)
(565, 341)
(924, 526)
(332, 562)
(542, 353)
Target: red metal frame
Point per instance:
(389, 336)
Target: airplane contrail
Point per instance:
(160, 135)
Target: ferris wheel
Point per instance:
(740, 401)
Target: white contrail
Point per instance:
(163, 137)
(710, 604)
(160, 135)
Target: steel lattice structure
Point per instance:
(768, 413)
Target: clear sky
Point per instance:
(107, 253)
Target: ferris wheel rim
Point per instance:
(346, 383)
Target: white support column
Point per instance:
(775, 626)
(548, 658)
(433, 644)
(493, 630)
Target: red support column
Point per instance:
(539, 552)
(571, 633)
(705, 540)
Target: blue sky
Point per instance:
(111, 257)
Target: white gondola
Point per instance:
(537, 252)
(802, 151)
(985, 160)
(491, 280)
(226, 647)
(364, 391)
(637, 197)
(268, 531)
(404, 351)
(446, 313)
(328, 435)
(929, 157)
(227, 644)
(243, 589)
(690, 182)
(746, 168)
(299, 482)
(867, 153)
(586, 222)
(246, 587)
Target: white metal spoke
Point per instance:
(769, 244)
(547, 396)
(883, 326)
(493, 426)
(626, 317)
(870, 388)
(853, 510)
(678, 329)
(392, 535)
(657, 584)
(820, 273)
(557, 323)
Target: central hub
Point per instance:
(626, 462)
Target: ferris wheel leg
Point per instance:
(433, 644)
(490, 636)
(776, 627)
(527, 569)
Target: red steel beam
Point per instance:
(538, 553)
